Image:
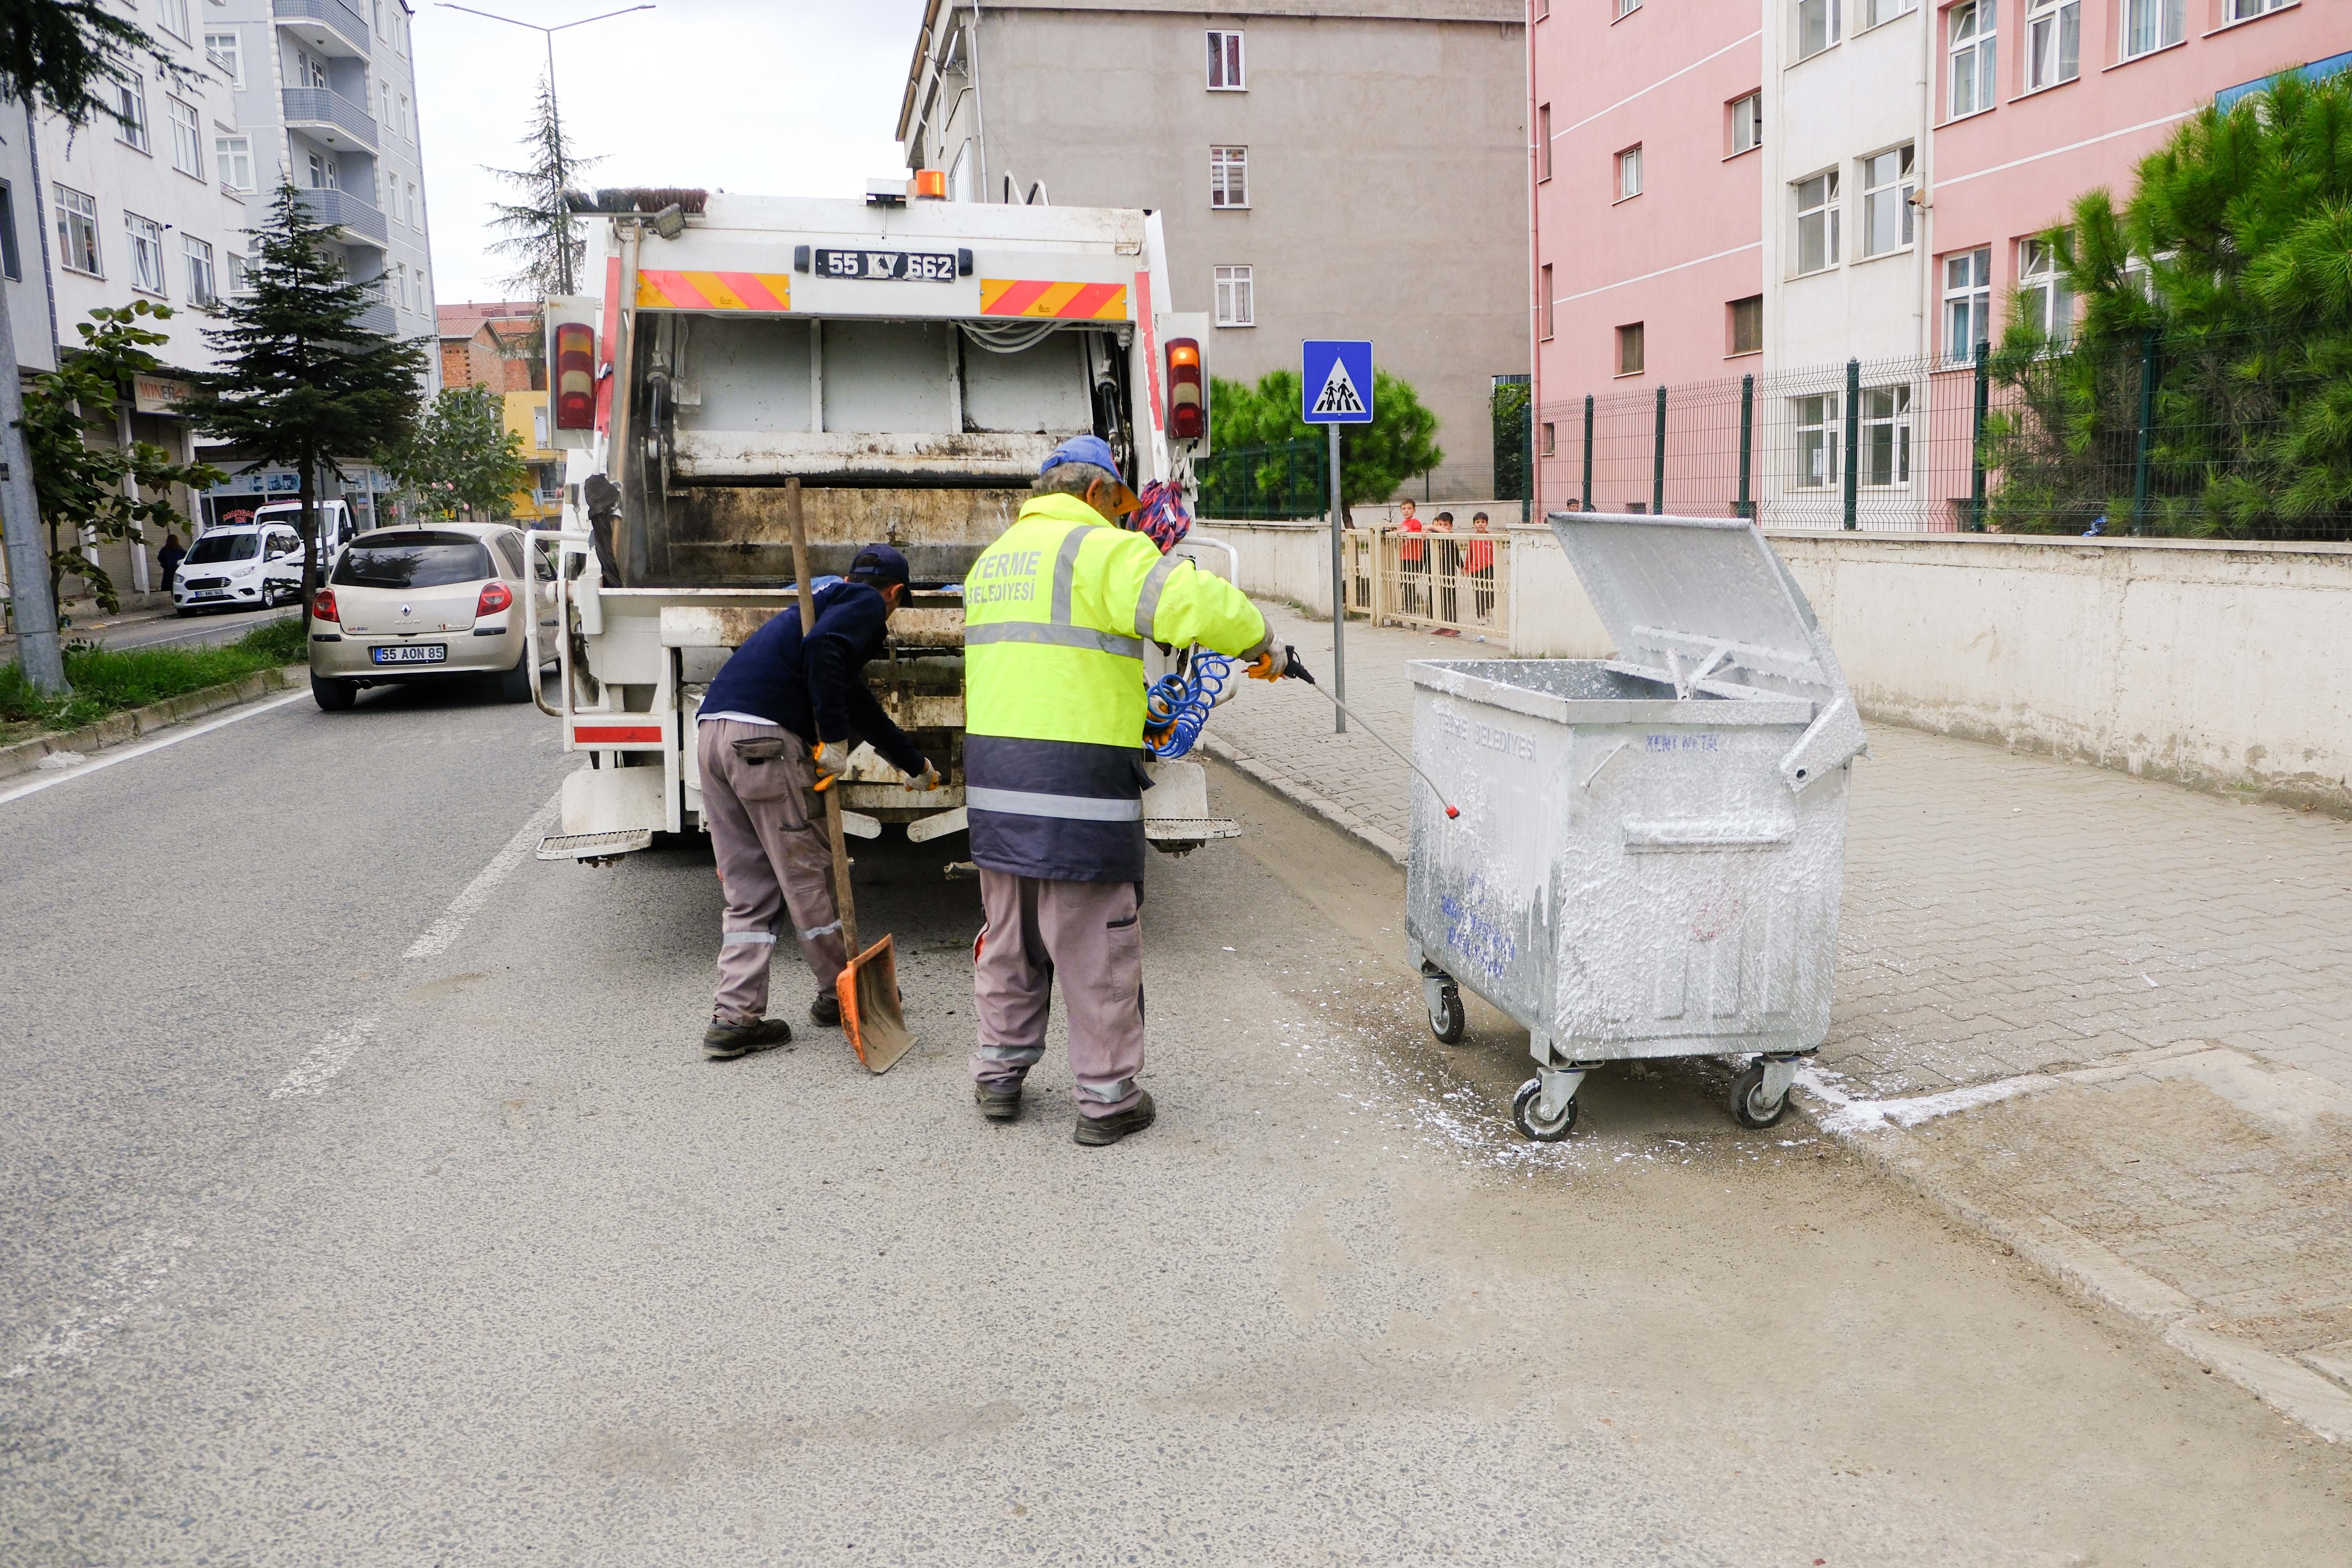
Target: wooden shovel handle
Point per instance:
(843, 901)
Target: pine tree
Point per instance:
(540, 235)
(301, 381)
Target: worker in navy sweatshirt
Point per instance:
(776, 730)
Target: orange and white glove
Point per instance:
(1278, 664)
(829, 761)
(926, 781)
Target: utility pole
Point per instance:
(35, 612)
(555, 118)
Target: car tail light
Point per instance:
(575, 376)
(323, 606)
(495, 598)
(1188, 392)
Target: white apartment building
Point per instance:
(1847, 273)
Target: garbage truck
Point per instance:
(888, 369)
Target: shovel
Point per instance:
(869, 987)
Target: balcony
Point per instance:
(330, 117)
(342, 210)
(378, 318)
(328, 26)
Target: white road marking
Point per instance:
(128, 1278)
(443, 931)
(126, 753)
(328, 1058)
(1851, 1115)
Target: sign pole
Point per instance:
(1339, 590)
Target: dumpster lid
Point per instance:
(1703, 600)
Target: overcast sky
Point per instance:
(775, 97)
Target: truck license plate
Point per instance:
(911, 265)
(412, 653)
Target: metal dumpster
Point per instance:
(1651, 847)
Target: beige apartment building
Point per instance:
(1325, 169)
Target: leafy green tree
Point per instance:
(2227, 268)
(1374, 458)
(63, 57)
(301, 381)
(462, 457)
(81, 485)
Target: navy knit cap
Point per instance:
(880, 565)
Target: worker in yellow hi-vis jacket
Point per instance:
(1056, 613)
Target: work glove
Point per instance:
(829, 759)
(926, 781)
(1281, 664)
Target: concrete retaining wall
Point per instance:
(2222, 666)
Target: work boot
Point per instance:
(826, 1009)
(1096, 1131)
(724, 1041)
(998, 1101)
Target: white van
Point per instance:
(240, 566)
(336, 526)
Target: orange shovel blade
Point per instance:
(870, 1014)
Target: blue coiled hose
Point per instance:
(1178, 703)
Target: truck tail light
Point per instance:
(1188, 392)
(575, 376)
(495, 598)
(931, 184)
(323, 606)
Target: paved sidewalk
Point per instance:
(2107, 1018)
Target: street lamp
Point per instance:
(563, 218)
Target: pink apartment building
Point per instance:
(1647, 219)
(2040, 100)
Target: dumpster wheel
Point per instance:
(1523, 1114)
(1747, 1101)
(1447, 1020)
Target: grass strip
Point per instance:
(108, 680)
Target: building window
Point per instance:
(1873, 12)
(1887, 184)
(2151, 25)
(223, 50)
(2048, 299)
(1819, 23)
(1817, 442)
(960, 174)
(1629, 174)
(1543, 9)
(1817, 222)
(1229, 176)
(324, 174)
(240, 274)
(199, 257)
(77, 233)
(1543, 303)
(1226, 61)
(187, 138)
(1543, 142)
(2247, 10)
(146, 253)
(130, 105)
(308, 72)
(1551, 438)
(1630, 357)
(1974, 67)
(1887, 435)
(174, 14)
(9, 261)
(2053, 42)
(1746, 324)
(407, 129)
(1747, 122)
(234, 154)
(1968, 303)
(1235, 304)
(1627, 8)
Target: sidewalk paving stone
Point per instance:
(2167, 970)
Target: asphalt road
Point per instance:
(368, 1203)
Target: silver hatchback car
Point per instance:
(437, 600)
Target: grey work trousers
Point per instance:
(774, 862)
(1089, 935)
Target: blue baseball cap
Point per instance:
(1095, 450)
(879, 563)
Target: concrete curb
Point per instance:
(1299, 794)
(131, 723)
(2094, 1274)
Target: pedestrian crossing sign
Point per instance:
(1337, 384)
